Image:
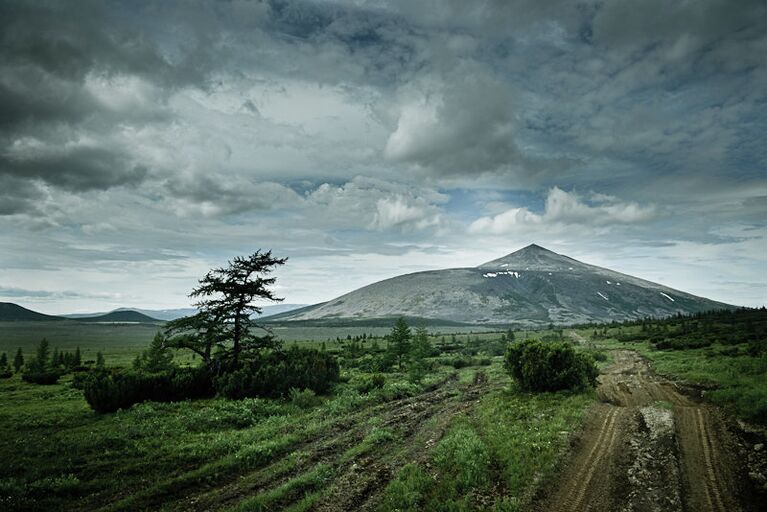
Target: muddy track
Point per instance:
(406, 416)
(361, 484)
(647, 447)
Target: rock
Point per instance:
(758, 447)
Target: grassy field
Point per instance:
(259, 454)
(121, 342)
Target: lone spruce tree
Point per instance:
(18, 361)
(399, 340)
(225, 302)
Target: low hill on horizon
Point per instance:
(172, 314)
(10, 312)
(532, 286)
(127, 316)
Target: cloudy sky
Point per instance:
(142, 142)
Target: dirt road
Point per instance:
(647, 447)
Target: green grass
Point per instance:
(510, 440)
(376, 437)
(303, 485)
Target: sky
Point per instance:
(144, 142)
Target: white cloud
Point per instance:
(375, 204)
(564, 209)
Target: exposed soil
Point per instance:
(647, 447)
(419, 423)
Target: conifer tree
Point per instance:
(399, 341)
(18, 361)
(420, 349)
(42, 357)
(157, 358)
(78, 359)
(225, 303)
(99, 360)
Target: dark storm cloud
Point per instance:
(76, 169)
(19, 196)
(52, 57)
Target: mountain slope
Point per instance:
(10, 312)
(532, 286)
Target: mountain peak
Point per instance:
(532, 248)
(533, 257)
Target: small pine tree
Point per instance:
(157, 358)
(42, 357)
(18, 361)
(399, 341)
(99, 360)
(419, 351)
(55, 358)
(78, 359)
(4, 362)
(510, 335)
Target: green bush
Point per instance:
(376, 363)
(275, 373)
(539, 366)
(304, 399)
(367, 383)
(47, 377)
(108, 391)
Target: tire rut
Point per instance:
(631, 447)
(326, 449)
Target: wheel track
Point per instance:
(712, 481)
(597, 476)
(604, 449)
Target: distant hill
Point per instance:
(172, 314)
(10, 312)
(120, 317)
(533, 286)
(159, 314)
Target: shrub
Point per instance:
(377, 363)
(303, 399)
(275, 373)
(46, 377)
(539, 366)
(367, 382)
(108, 391)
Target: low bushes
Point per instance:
(275, 373)
(367, 382)
(539, 366)
(107, 391)
(307, 372)
(45, 377)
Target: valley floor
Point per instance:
(465, 439)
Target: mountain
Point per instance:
(10, 312)
(120, 317)
(172, 314)
(532, 286)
